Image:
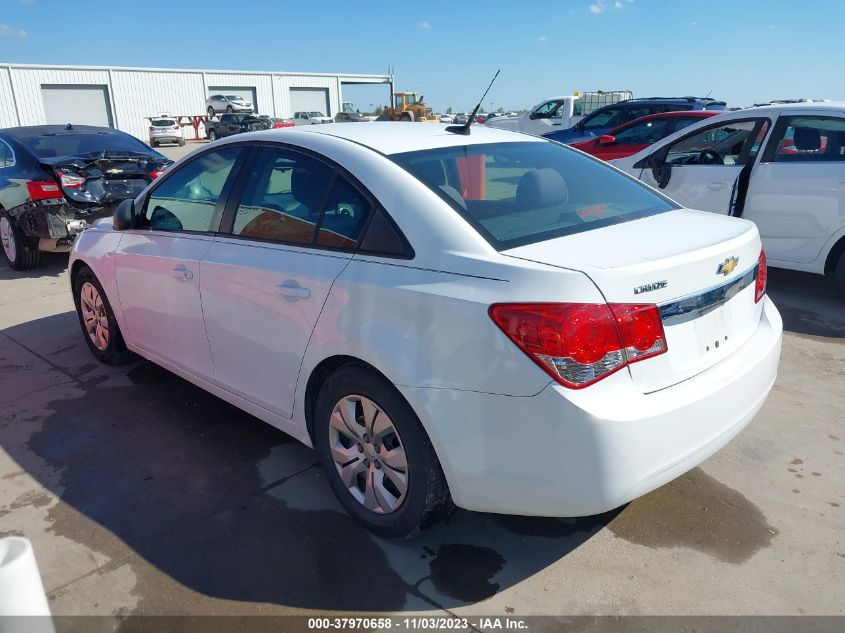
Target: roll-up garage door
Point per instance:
(77, 104)
(310, 100)
(247, 92)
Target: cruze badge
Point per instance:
(655, 285)
(727, 266)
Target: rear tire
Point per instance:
(402, 513)
(230, 109)
(840, 272)
(181, 142)
(407, 118)
(93, 305)
(20, 251)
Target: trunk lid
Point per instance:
(698, 267)
(104, 181)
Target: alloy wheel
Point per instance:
(94, 316)
(368, 454)
(7, 238)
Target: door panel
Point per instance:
(702, 187)
(796, 195)
(263, 288)
(261, 302)
(158, 283)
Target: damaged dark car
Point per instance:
(57, 179)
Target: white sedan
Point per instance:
(493, 321)
(781, 166)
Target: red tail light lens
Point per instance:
(70, 181)
(152, 129)
(579, 344)
(175, 127)
(43, 189)
(762, 277)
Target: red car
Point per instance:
(638, 134)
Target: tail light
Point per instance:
(579, 344)
(155, 174)
(175, 127)
(152, 129)
(43, 189)
(70, 181)
(762, 277)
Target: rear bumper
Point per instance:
(56, 221)
(577, 453)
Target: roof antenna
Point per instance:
(464, 129)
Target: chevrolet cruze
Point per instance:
(491, 321)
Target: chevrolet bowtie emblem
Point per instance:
(114, 170)
(727, 266)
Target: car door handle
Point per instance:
(180, 272)
(716, 186)
(293, 290)
(556, 124)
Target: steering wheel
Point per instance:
(710, 157)
(345, 209)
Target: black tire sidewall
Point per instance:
(357, 380)
(212, 136)
(116, 351)
(26, 249)
(840, 272)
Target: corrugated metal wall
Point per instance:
(136, 93)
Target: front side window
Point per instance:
(187, 199)
(283, 197)
(715, 145)
(547, 110)
(809, 139)
(521, 193)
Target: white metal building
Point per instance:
(123, 98)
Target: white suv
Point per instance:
(165, 130)
(781, 166)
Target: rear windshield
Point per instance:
(80, 144)
(163, 122)
(520, 193)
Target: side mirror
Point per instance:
(124, 216)
(534, 115)
(606, 139)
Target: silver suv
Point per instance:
(165, 130)
(227, 103)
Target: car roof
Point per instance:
(30, 131)
(835, 106)
(394, 137)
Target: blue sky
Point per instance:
(743, 52)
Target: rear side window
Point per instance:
(520, 193)
(343, 217)
(809, 139)
(187, 199)
(7, 157)
(283, 197)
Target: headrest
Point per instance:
(308, 187)
(541, 188)
(807, 139)
(455, 195)
(431, 171)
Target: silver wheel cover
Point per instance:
(7, 239)
(369, 454)
(94, 316)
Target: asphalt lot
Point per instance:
(144, 495)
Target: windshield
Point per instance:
(79, 144)
(313, 114)
(234, 98)
(520, 193)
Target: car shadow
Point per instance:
(809, 304)
(229, 507)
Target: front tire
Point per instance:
(20, 251)
(210, 112)
(96, 317)
(212, 135)
(230, 109)
(840, 272)
(376, 454)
